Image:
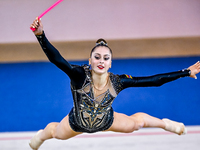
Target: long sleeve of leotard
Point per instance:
(75, 74)
(155, 80)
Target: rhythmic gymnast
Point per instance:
(94, 90)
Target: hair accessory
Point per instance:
(102, 43)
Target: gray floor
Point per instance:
(144, 139)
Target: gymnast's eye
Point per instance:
(106, 58)
(97, 57)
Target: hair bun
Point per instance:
(101, 42)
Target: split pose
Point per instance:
(94, 91)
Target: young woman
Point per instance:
(94, 91)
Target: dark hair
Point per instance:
(100, 42)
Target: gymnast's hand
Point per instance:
(37, 24)
(195, 69)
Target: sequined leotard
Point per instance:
(91, 114)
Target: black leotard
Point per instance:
(91, 114)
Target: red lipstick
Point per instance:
(100, 67)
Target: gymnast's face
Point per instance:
(100, 60)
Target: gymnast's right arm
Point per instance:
(51, 52)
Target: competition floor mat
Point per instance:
(144, 139)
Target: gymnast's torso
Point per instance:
(93, 112)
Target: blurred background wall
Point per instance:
(90, 19)
(147, 37)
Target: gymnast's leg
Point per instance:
(56, 130)
(127, 124)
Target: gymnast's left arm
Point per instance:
(160, 79)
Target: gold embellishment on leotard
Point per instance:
(94, 111)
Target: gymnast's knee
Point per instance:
(138, 119)
(53, 131)
(135, 125)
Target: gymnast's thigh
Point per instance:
(122, 123)
(64, 131)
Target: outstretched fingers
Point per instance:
(195, 69)
(197, 65)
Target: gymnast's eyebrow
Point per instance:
(103, 55)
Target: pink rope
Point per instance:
(46, 11)
(50, 8)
